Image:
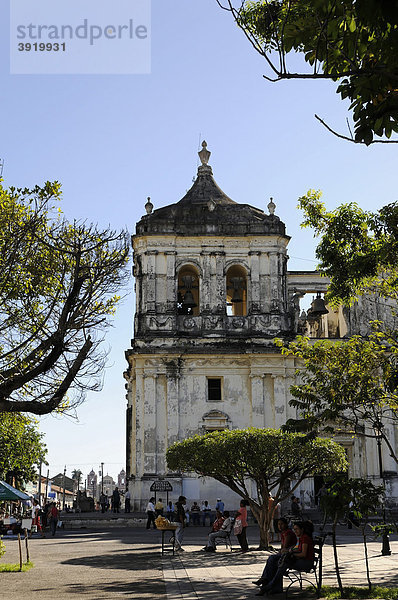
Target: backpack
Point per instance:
(238, 527)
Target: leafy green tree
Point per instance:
(350, 386)
(358, 249)
(21, 448)
(366, 499)
(273, 460)
(59, 285)
(334, 505)
(352, 42)
(346, 496)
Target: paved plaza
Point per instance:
(127, 563)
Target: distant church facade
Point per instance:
(213, 290)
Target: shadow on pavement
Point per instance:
(134, 560)
(139, 588)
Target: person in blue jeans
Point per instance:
(300, 557)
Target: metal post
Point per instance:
(102, 478)
(63, 489)
(385, 548)
(39, 486)
(48, 475)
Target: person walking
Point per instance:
(53, 515)
(103, 501)
(150, 511)
(36, 522)
(116, 500)
(127, 501)
(180, 517)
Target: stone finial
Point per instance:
(204, 154)
(148, 206)
(271, 206)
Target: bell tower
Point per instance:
(211, 295)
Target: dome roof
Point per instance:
(207, 210)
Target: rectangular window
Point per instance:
(214, 392)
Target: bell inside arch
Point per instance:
(318, 307)
(188, 301)
(236, 297)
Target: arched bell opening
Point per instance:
(236, 281)
(188, 291)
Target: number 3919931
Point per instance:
(42, 47)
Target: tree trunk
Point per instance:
(365, 545)
(261, 514)
(336, 558)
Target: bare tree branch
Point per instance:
(344, 137)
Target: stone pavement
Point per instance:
(126, 563)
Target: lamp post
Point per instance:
(102, 478)
(63, 489)
(378, 429)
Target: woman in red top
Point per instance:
(242, 515)
(301, 557)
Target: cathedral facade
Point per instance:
(213, 290)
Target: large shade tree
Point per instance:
(275, 461)
(349, 386)
(358, 249)
(59, 287)
(352, 42)
(21, 448)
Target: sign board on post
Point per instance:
(161, 486)
(51, 494)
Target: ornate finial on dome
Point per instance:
(271, 206)
(148, 206)
(204, 154)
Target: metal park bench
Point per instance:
(301, 577)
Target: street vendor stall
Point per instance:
(7, 492)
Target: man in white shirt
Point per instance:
(223, 532)
(206, 512)
(150, 511)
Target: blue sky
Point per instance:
(113, 140)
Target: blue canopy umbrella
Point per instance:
(7, 492)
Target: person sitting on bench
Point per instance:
(222, 532)
(288, 540)
(300, 558)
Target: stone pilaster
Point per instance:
(151, 281)
(255, 300)
(171, 283)
(150, 465)
(172, 409)
(257, 395)
(279, 400)
(220, 297)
